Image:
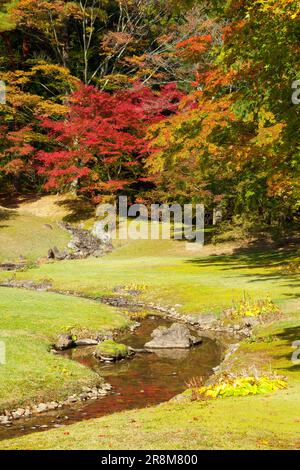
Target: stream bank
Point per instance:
(145, 380)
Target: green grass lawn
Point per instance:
(29, 323)
(28, 236)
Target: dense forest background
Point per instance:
(162, 100)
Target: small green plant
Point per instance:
(249, 307)
(240, 387)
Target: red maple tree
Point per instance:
(100, 146)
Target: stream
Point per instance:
(144, 380)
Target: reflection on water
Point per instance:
(145, 380)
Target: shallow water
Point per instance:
(145, 380)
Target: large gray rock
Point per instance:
(178, 336)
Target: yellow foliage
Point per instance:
(243, 386)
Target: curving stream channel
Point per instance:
(145, 380)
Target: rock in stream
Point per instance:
(178, 336)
